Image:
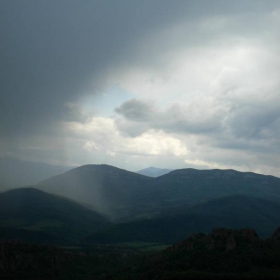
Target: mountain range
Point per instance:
(125, 195)
(105, 204)
(235, 212)
(153, 171)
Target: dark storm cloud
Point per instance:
(55, 52)
(138, 116)
(261, 121)
(136, 110)
(254, 126)
(52, 52)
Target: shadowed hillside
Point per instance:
(108, 189)
(232, 212)
(30, 214)
(126, 195)
(191, 186)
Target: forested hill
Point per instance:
(126, 195)
(236, 212)
(36, 216)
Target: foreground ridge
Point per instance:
(223, 254)
(221, 239)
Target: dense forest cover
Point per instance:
(224, 253)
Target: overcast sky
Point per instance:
(171, 84)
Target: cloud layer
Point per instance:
(139, 83)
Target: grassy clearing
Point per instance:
(159, 247)
(143, 246)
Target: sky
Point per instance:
(171, 84)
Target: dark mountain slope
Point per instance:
(108, 189)
(28, 212)
(191, 186)
(126, 195)
(234, 212)
(18, 173)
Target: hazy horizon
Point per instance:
(147, 168)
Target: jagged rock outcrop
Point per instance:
(222, 254)
(276, 234)
(220, 239)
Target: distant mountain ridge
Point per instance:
(190, 186)
(153, 171)
(220, 173)
(128, 195)
(16, 173)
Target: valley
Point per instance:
(119, 218)
(139, 139)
